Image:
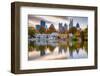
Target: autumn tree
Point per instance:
(73, 30)
(51, 29)
(42, 30)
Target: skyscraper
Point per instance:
(37, 27)
(60, 28)
(42, 23)
(65, 27)
(77, 25)
(71, 23)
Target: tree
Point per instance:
(47, 31)
(42, 30)
(85, 31)
(51, 29)
(31, 31)
(73, 30)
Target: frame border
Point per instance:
(15, 37)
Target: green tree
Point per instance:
(85, 31)
(31, 31)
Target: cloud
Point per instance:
(48, 19)
(35, 20)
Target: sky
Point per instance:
(34, 20)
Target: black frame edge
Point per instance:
(13, 37)
(96, 37)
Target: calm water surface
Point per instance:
(56, 49)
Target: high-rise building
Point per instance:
(65, 27)
(71, 23)
(46, 26)
(37, 27)
(77, 25)
(60, 28)
(42, 23)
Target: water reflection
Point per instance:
(56, 49)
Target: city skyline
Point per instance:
(34, 20)
(47, 33)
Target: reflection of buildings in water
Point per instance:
(58, 49)
(55, 54)
(81, 54)
(42, 53)
(62, 50)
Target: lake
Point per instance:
(57, 49)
